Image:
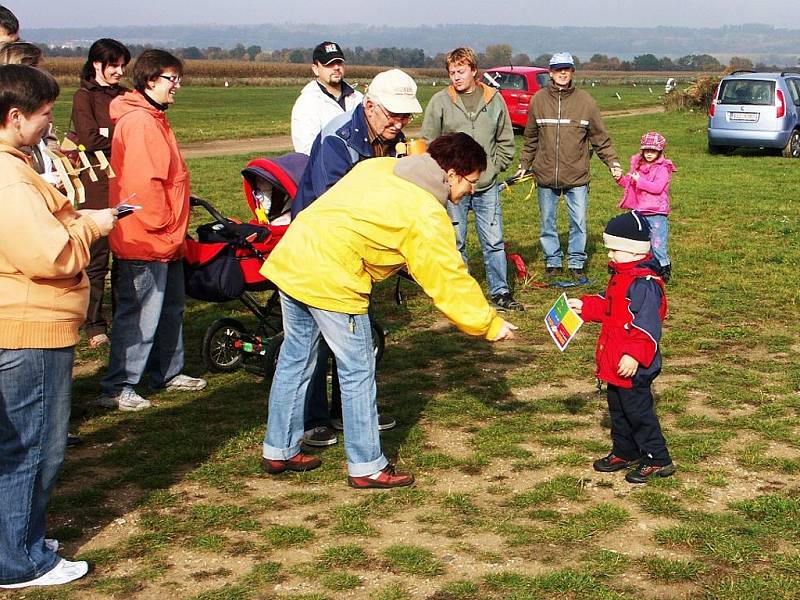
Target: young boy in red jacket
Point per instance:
(628, 357)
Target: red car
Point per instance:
(517, 85)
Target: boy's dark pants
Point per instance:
(635, 430)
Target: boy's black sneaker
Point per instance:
(612, 462)
(644, 472)
(506, 302)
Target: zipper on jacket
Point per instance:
(558, 138)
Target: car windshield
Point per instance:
(747, 91)
(508, 81)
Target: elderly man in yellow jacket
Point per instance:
(385, 215)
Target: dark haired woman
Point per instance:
(44, 247)
(147, 332)
(100, 79)
(384, 215)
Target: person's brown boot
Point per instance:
(385, 478)
(299, 462)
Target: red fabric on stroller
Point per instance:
(269, 184)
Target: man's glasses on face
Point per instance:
(402, 118)
(173, 79)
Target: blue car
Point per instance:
(756, 110)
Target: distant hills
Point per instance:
(752, 40)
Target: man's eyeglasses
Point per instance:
(173, 79)
(403, 118)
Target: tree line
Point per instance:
(493, 55)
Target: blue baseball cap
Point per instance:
(562, 60)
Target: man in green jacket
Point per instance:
(562, 122)
(478, 110)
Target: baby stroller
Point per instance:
(223, 264)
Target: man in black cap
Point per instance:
(329, 95)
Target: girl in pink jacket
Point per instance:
(647, 192)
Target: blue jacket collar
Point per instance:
(355, 133)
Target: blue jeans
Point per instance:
(350, 339)
(34, 418)
(659, 237)
(147, 331)
(489, 224)
(577, 199)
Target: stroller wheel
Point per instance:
(378, 339)
(220, 355)
(271, 352)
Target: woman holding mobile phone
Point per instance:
(44, 248)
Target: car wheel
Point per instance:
(792, 147)
(714, 149)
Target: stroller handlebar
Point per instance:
(198, 201)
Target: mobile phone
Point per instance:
(123, 210)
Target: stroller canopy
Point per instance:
(282, 172)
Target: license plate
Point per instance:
(750, 117)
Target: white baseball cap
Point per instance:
(395, 90)
(562, 60)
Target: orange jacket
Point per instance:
(44, 247)
(148, 163)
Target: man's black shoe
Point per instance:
(506, 302)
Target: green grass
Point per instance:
(500, 437)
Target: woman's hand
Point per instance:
(506, 332)
(105, 218)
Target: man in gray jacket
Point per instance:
(470, 107)
(562, 122)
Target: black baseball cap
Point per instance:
(327, 52)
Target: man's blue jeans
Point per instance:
(350, 339)
(577, 199)
(489, 224)
(35, 389)
(147, 332)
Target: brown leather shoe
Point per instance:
(299, 462)
(386, 478)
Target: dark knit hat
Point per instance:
(628, 232)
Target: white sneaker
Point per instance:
(127, 400)
(186, 383)
(64, 572)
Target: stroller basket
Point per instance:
(225, 259)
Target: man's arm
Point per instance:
(432, 121)
(530, 139)
(330, 164)
(601, 142)
(305, 124)
(505, 148)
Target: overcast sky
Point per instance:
(634, 13)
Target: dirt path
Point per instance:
(283, 143)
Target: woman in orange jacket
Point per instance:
(147, 275)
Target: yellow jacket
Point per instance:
(44, 247)
(369, 225)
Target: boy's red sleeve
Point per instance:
(594, 307)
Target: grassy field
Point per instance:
(171, 502)
(209, 113)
